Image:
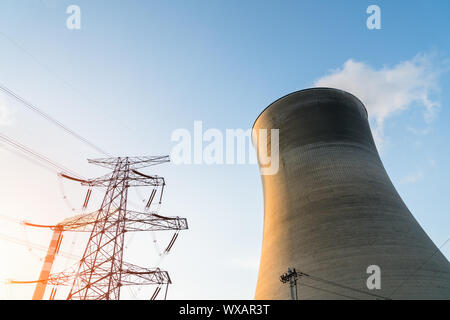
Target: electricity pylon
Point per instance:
(102, 272)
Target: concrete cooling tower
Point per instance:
(331, 210)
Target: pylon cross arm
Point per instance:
(135, 275)
(135, 162)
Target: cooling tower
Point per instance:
(331, 210)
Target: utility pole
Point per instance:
(291, 276)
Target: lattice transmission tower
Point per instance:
(101, 271)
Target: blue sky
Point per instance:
(136, 72)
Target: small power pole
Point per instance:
(291, 276)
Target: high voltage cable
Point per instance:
(40, 160)
(36, 109)
(344, 287)
(420, 267)
(11, 219)
(58, 168)
(40, 112)
(56, 75)
(37, 155)
(54, 121)
(51, 119)
(28, 53)
(328, 291)
(36, 246)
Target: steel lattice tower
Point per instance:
(101, 272)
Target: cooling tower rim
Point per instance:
(311, 89)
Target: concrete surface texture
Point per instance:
(331, 211)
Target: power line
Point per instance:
(420, 267)
(302, 274)
(49, 118)
(328, 291)
(344, 287)
(31, 155)
(36, 246)
(58, 167)
(39, 160)
(55, 74)
(28, 53)
(10, 219)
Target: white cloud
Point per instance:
(419, 132)
(388, 91)
(413, 177)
